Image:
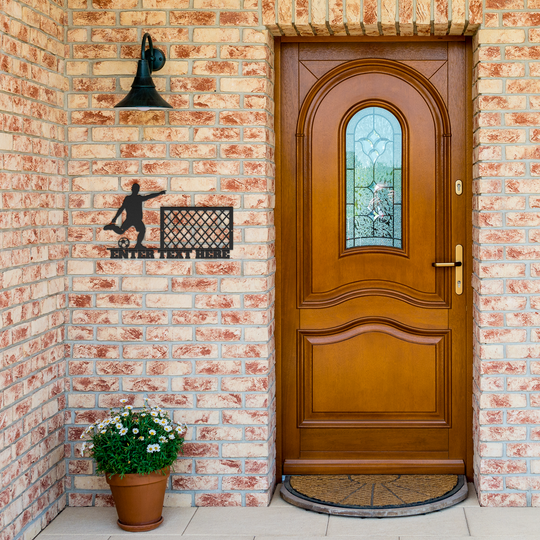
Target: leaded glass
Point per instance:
(373, 179)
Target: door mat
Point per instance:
(375, 495)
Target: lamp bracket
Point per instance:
(155, 57)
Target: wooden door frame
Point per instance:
(468, 193)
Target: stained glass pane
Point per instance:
(373, 162)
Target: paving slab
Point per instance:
(326, 538)
(277, 500)
(472, 498)
(278, 521)
(449, 522)
(45, 536)
(492, 537)
(156, 535)
(434, 538)
(102, 521)
(497, 522)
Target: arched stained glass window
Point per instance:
(374, 187)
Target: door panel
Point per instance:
(345, 273)
(373, 337)
(409, 360)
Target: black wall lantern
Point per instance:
(143, 94)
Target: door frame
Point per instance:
(467, 192)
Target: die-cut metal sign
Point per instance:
(185, 232)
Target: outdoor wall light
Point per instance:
(143, 95)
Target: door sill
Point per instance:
(438, 466)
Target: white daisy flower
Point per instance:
(83, 448)
(141, 438)
(119, 425)
(143, 415)
(129, 407)
(125, 413)
(135, 430)
(150, 448)
(103, 431)
(168, 428)
(171, 436)
(123, 431)
(116, 418)
(152, 432)
(154, 413)
(162, 439)
(123, 401)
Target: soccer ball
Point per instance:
(123, 243)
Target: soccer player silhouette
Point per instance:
(133, 205)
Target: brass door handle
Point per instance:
(458, 264)
(438, 265)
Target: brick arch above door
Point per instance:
(372, 17)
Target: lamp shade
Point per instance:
(143, 94)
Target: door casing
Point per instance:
(281, 107)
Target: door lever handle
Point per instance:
(459, 268)
(438, 265)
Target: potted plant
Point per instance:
(136, 450)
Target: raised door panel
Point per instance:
(330, 272)
(374, 373)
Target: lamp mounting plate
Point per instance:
(159, 59)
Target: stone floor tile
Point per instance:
(449, 522)
(46, 536)
(83, 521)
(278, 521)
(101, 521)
(493, 537)
(467, 537)
(472, 498)
(325, 538)
(518, 522)
(156, 535)
(277, 500)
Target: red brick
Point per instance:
(218, 499)
(218, 466)
(521, 19)
(195, 351)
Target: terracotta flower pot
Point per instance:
(139, 499)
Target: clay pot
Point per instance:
(139, 499)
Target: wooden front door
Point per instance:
(374, 338)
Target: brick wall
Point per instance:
(195, 336)
(506, 188)
(32, 265)
(506, 251)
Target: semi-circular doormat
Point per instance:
(375, 495)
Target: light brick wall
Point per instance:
(506, 251)
(32, 265)
(372, 17)
(195, 336)
(506, 188)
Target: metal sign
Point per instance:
(185, 232)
